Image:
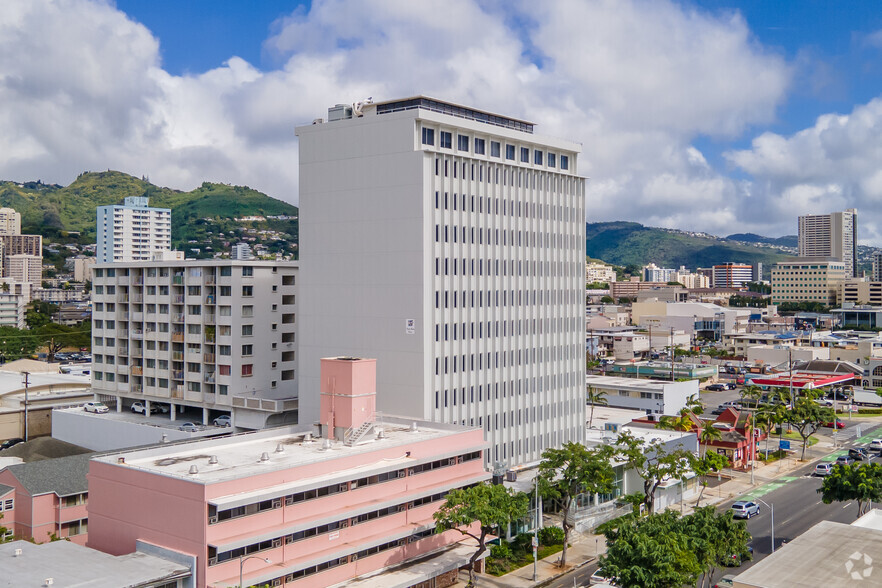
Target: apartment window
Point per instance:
(224, 350)
(479, 146)
(525, 155)
(247, 290)
(510, 152)
(247, 330)
(446, 140)
(222, 389)
(537, 157)
(551, 160)
(564, 162)
(247, 271)
(247, 369)
(247, 349)
(226, 271)
(462, 143)
(247, 311)
(224, 330)
(494, 149)
(226, 290)
(428, 136)
(223, 370)
(225, 311)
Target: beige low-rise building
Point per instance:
(807, 279)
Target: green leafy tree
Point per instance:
(708, 434)
(653, 462)
(807, 417)
(681, 422)
(861, 482)
(709, 462)
(693, 404)
(715, 538)
(491, 506)
(607, 300)
(595, 398)
(572, 470)
(39, 313)
(650, 552)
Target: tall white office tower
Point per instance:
(449, 244)
(132, 231)
(830, 235)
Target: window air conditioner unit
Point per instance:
(353, 557)
(212, 520)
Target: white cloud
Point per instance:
(635, 81)
(830, 166)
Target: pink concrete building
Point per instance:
(48, 497)
(323, 511)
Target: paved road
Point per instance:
(797, 504)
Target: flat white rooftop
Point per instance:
(240, 456)
(635, 384)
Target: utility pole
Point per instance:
(790, 372)
(672, 354)
(26, 382)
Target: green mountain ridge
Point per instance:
(198, 215)
(624, 243)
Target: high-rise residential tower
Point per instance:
(10, 222)
(132, 231)
(830, 235)
(449, 244)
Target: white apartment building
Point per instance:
(24, 268)
(653, 273)
(82, 267)
(10, 222)
(732, 275)
(449, 244)
(132, 231)
(830, 235)
(690, 280)
(599, 272)
(217, 335)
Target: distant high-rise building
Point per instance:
(132, 231)
(241, 251)
(25, 268)
(877, 266)
(732, 275)
(10, 222)
(653, 273)
(449, 244)
(830, 235)
(758, 271)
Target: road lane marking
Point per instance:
(766, 488)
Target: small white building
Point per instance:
(649, 396)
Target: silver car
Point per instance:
(744, 509)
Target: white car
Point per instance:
(189, 427)
(140, 407)
(875, 445)
(97, 407)
(223, 420)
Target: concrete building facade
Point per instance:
(10, 222)
(830, 235)
(807, 280)
(448, 243)
(732, 275)
(213, 334)
(132, 231)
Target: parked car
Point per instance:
(729, 386)
(598, 578)
(223, 420)
(716, 387)
(98, 407)
(844, 460)
(11, 443)
(744, 509)
(859, 454)
(876, 445)
(188, 427)
(736, 559)
(726, 581)
(719, 410)
(823, 469)
(140, 407)
(837, 424)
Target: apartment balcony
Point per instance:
(137, 370)
(122, 333)
(178, 298)
(178, 317)
(178, 336)
(208, 339)
(178, 375)
(208, 358)
(209, 319)
(210, 280)
(193, 396)
(209, 378)
(177, 356)
(137, 334)
(178, 280)
(209, 300)
(139, 281)
(137, 389)
(122, 298)
(122, 316)
(177, 392)
(122, 350)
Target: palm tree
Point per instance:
(709, 433)
(694, 405)
(752, 392)
(765, 418)
(595, 398)
(683, 422)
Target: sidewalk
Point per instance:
(584, 548)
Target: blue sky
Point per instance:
(701, 115)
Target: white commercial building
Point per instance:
(449, 244)
(830, 235)
(599, 272)
(650, 396)
(132, 231)
(211, 334)
(24, 268)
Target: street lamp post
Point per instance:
(26, 382)
(772, 511)
(243, 559)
